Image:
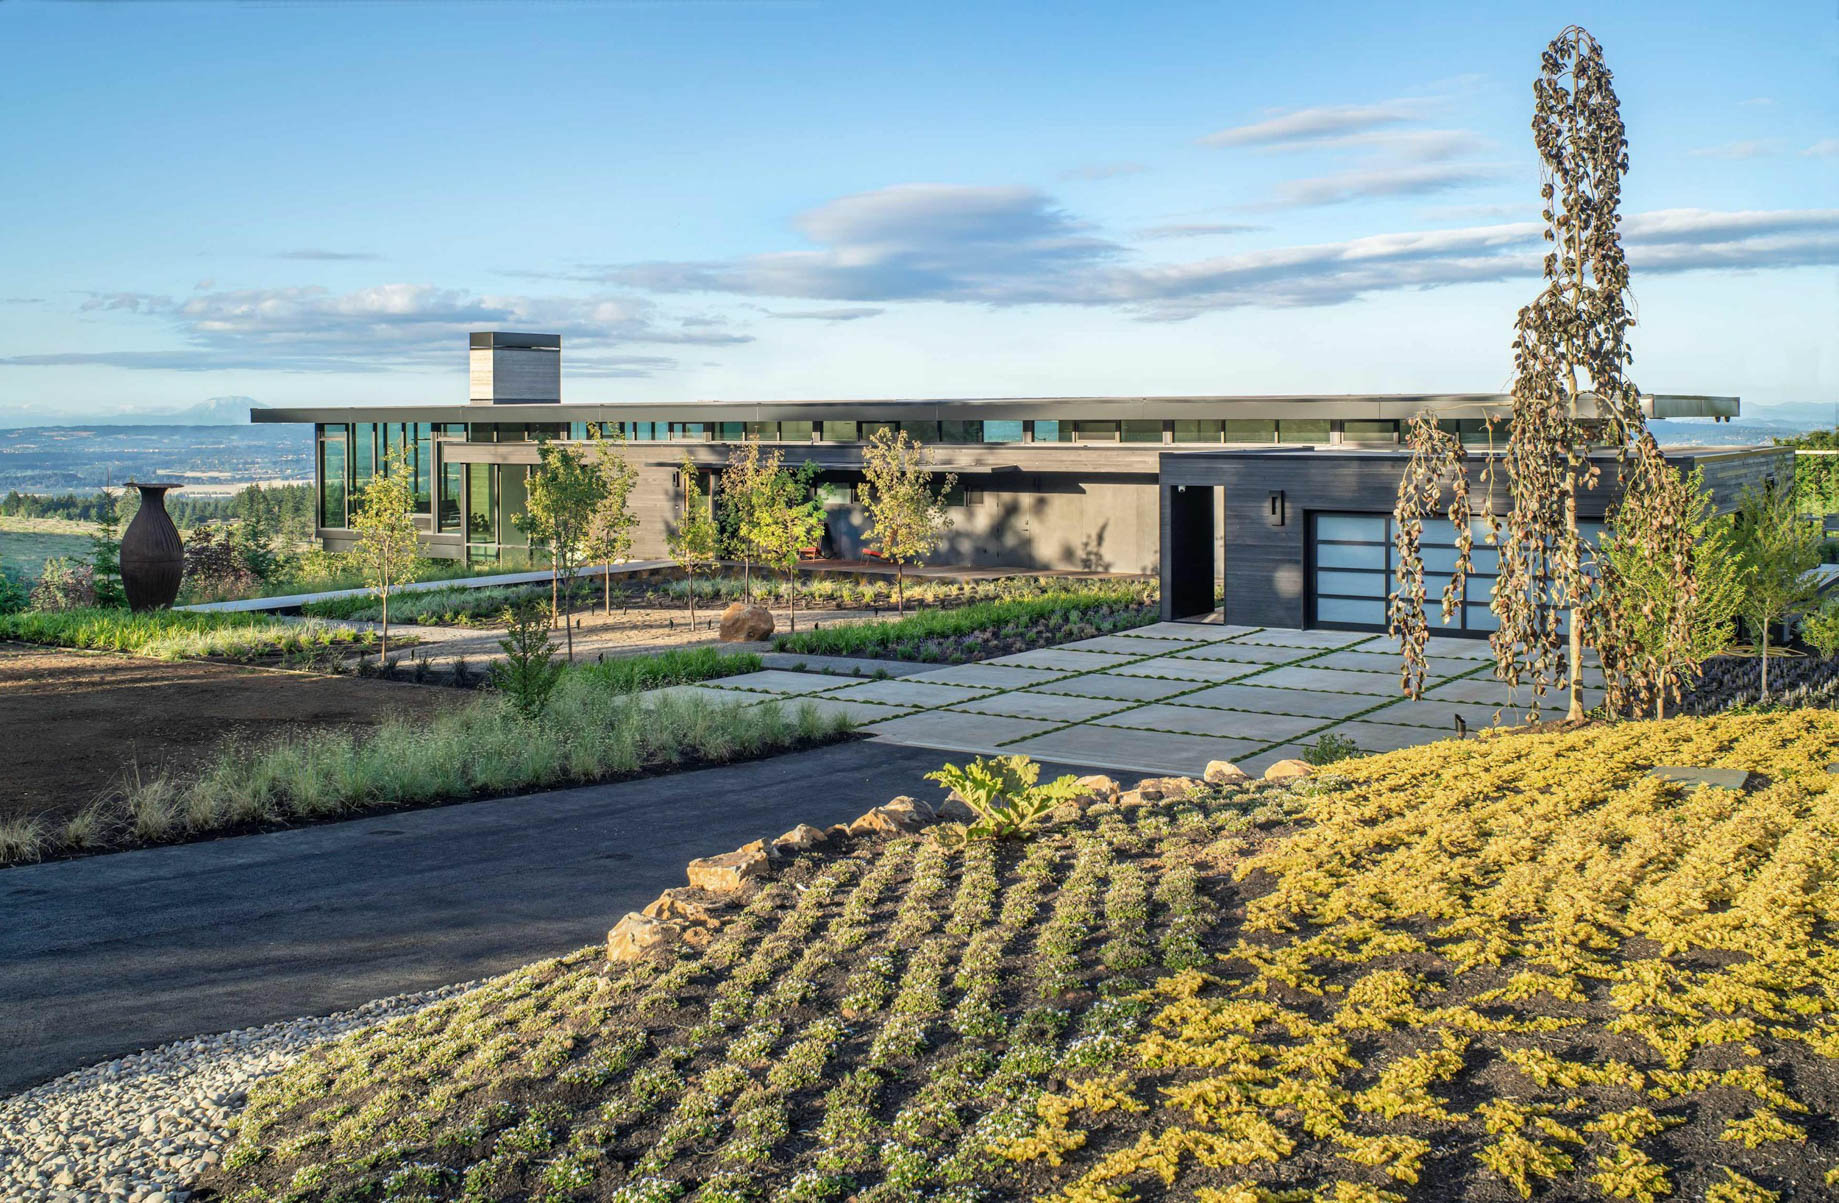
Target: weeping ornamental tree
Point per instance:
(1569, 390)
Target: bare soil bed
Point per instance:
(77, 724)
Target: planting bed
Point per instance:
(1800, 678)
(1487, 969)
(77, 724)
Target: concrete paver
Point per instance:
(1279, 637)
(1180, 669)
(1111, 685)
(1496, 693)
(1246, 653)
(1053, 657)
(1258, 699)
(1050, 707)
(773, 680)
(718, 697)
(908, 692)
(1124, 645)
(954, 731)
(1442, 715)
(1207, 632)
(993, 676)
(1137, 752)
(1455, 647)
(1384, 737)
(1200, 720)
(1330, 680)
(1438, 667)
(859, 712)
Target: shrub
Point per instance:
(171, 634)
(1003, 793)
(1330, 748)
(530, 671)
(14, 596)
(944, 635)
(1820, 629)
(64, 585)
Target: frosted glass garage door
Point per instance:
(1351, 565)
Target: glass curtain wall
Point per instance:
(332, 476)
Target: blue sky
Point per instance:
(312, 203)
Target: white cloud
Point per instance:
(1824, 148)
(383, 327)
(1405, 145)
(1197, 230)
(1319, 123)
(851, 314)
(1367, 183)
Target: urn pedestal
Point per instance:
(152, 557)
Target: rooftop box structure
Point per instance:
(516, 369)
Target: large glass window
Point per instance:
(1369, 432)
(1251, 430)
(1052, 431)
(447, 516)
(869, 429)
(961, 432)
(424, 463)
(730, 432)
(1002, 432)
(694, 431)
(481, 504)
(1302, 430)
(1143, 430)
(795, 432)
(766, 432)
(839, 432)
(332, 477)
(1097, 432)
(513, 494)
(921, 432)
(363, 453)
(1197, 431)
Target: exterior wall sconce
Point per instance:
(1275, 508)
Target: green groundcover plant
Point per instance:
(175, 634)
(986, 628)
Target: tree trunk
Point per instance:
(385, 653)
(568, 627)
(1575, 655)
(900, 588)
(606, 587)
(689, 574)
(555, 588)
(1765, 663)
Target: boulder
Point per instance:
(742, 623)
(688, 906)
(727, 873)
(1135, 797)
(923, 810)
(1106, 789)
(639, 935)
(1288, 770)
(888, 820)
(1225, 772)
(801, 838)
(954, 809)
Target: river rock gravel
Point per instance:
(137, 1129)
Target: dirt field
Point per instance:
(74, 725)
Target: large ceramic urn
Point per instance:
(152, 558)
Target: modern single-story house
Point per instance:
(1179, 485)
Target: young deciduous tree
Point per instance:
(1653, 629)
(785, 518)
(906, 511)
(1778, 549)
(1569, 390)
(696, 541)
(387, 549)
(610, 526)
(563, 493)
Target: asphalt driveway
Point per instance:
(108, 955)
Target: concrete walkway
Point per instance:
(107, 955)
(1169, 697)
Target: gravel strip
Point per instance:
(136, 1129)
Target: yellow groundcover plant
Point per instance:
(1521, 951)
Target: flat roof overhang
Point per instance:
(1356, 407)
